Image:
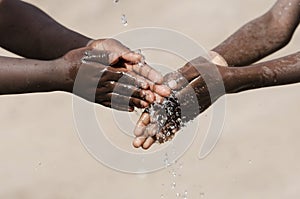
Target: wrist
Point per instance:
(90, 42)
(217, 59)
(62, 78)
(245, 78)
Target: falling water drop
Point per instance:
(180, 165)
(173, 185)
(185, 194)
(166, 161)
(174, 173)
(124, 20)
(162, 196)
(202, 195)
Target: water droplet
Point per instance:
(173, 185)
(250, 161)
(290, 3)
(40, 164)
(202, 195)
(185, 194)
(174, 173)
(124, 20)
(178, 195)
(166, 161)
(142, 62)
(116, 1)
(180, 165)
(138, 51)
(162, 196)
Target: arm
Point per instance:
(29, 32)
(262, 36)
(252, 42)
(27, 76)
(80, 71)
(282, 71)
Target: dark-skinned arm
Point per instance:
(29, 32)
(262, 36)
(282, 71)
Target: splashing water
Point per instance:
(124, 20)
(174, 174)
(167, 116)
(173, 185)
(185, 194)
(142, 62)
(166, 161)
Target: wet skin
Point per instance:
(53, 55)
(252, 42)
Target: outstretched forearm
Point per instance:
(282, 71)
(27, 76)
(262, 36)
(31, 33)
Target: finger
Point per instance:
(161, 90)
(136, 80)
(175, 80)
(122, 100)
(115, 48)
(148, 143)
(126, 90)
(118, 107)
(123, 76)
(146, 71)
(159, 99)
(151, 130)
(138, 142)
(132, 57)
(142, 124)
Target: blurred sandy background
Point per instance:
(257, 156)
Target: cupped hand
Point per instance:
(196, 86)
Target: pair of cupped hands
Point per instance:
(125, 81)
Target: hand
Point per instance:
(119, 82)
(120, 54)
(192, 85)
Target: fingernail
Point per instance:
(144, 104)
(158, 98)
(150, 97)
(163, 90)
(144, 85)
(137, 142)
(130, 109)
(172, 84)
(158, 79)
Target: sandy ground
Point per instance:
(257, 156)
